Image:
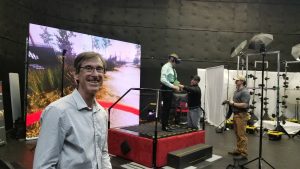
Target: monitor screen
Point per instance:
(44, 77)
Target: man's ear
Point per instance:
(75, 75)
(172, 60)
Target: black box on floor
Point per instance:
(189, 156)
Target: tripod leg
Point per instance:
(267, 163)
(249, 162)
(298, 133)
(281, 129)
(230, 166)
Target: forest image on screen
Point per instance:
(44, 77)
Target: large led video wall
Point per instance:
(44, 79)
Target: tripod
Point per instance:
(220, 129)
(296, 114)
(260, 158)
(278, 125)
(62, 72)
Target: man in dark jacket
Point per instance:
(194, 103)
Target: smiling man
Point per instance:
(74, 128)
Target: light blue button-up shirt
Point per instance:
(72, 136)
(168, 75)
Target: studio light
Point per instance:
(239, 50)
(296, 52)
(260, 40)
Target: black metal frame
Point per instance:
(156, 117)
(62, 72)
(260, 158)
(297, 106)
(278, 125)
(26, 80)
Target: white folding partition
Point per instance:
(15, 96)
(214, 94)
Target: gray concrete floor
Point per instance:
(283, 154)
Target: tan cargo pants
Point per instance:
(239, 124)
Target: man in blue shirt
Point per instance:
(74, 128)
(169, 83)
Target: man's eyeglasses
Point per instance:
(90, 69)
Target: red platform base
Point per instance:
(141, 148)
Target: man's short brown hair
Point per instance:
(86, 56)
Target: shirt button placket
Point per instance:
(97, 143)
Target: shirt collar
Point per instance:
(240, 88)
(170, 64)
(80, 103)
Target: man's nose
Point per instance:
(94, 72)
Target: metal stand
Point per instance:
(278, 126)
(286, 86)
(284, 97)
(156, 117)
(260, 158)
(26, 77)
(154, 147)
(298, 133)
(264, 87)
(297, 113)
(265, 99)
(62, 72)
(297, 109)
(253, 93)
(297, 106)
(203, 124)
(228, 114)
